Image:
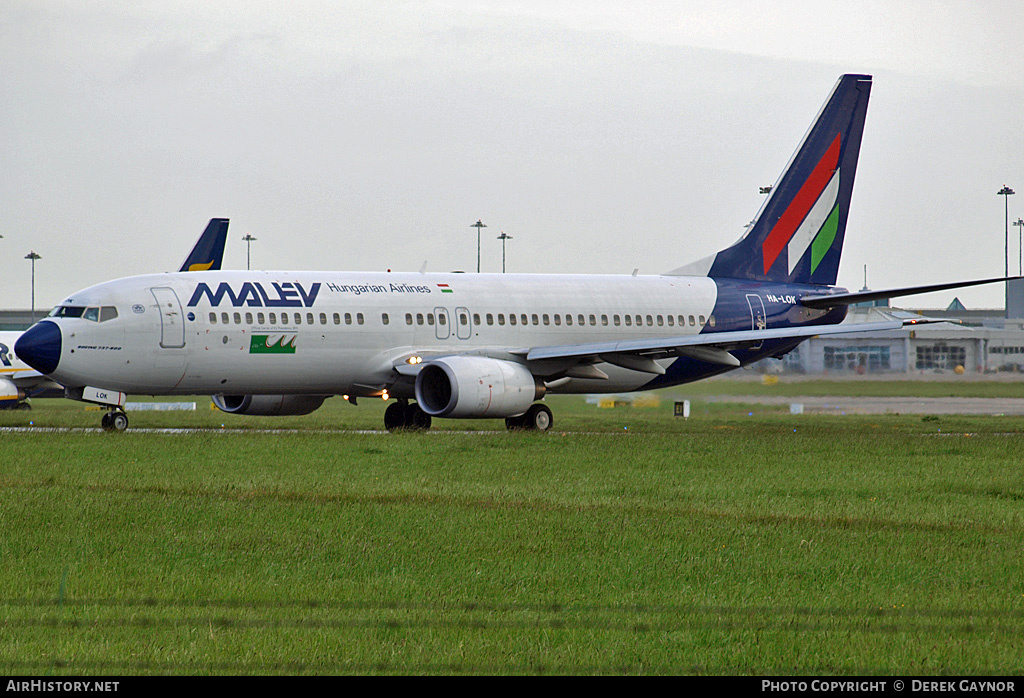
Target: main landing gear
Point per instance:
(114, 420)
(537, 418)
(402, 415)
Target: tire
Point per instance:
(118, 421)
(515, 423)
(416, 418)
(538, 417)
(394, 416)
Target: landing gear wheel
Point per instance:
(416, 418)
(538, 417)
(115, 420)
(394, 416)
(514, 423)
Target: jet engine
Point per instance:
(10, 396)
(476, 386)
(269, 405)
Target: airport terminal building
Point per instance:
(981, 342)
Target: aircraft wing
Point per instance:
(639, 354)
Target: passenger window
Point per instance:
(248, 318)
(224, 319)
(547, 320)
(682, 321)
(323, 318)
(671, 322)
(568, 319)
(650, 321)
(408, 318)
(522, 319)
(604, 320)
(463, 319)
(701, 320)
(337, 319)
(558, 320)
(430, 319)
(661, 321)
(273, 318)
(298, 318)
(501, 318)
(639, 321)
(490, 319)
(536, 320)
(385, 319)
(692, 321)
(260, 318)
(213, 318)
(238, 318)
(309, 319)
(359, 318)
(476, 319)
(442, 319)
(581, 320)
(348, 318)
(593, 321)
(511, 318)
(419, 318)
(711, 320)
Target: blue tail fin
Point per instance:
(798, 235)
(208, 253)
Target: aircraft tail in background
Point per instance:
(208, 252)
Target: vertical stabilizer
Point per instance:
(798, 235)
(208, 253)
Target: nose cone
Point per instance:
(40, 346)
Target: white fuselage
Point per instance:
(339, 333)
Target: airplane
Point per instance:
(477, 345)
(19, 381)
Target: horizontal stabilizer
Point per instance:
(836, 299)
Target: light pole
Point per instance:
(1020, 249)
(33, 256)
(248, 243)
(1006, 193)
(503, 237)
(478, 225)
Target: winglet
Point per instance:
(208, 252)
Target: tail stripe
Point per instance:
(808, 231)
(800, 205)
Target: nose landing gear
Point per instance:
(114, 420)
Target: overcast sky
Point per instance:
(602, 136)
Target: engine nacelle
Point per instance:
(10, 396)
(269, 405)
(475, 386)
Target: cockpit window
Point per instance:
(91, 314)
(107, 312)
(67, 311)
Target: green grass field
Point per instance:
(624, 541)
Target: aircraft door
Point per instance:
(172, 325)
(442, 327)
(758, 318)
(463, 323)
